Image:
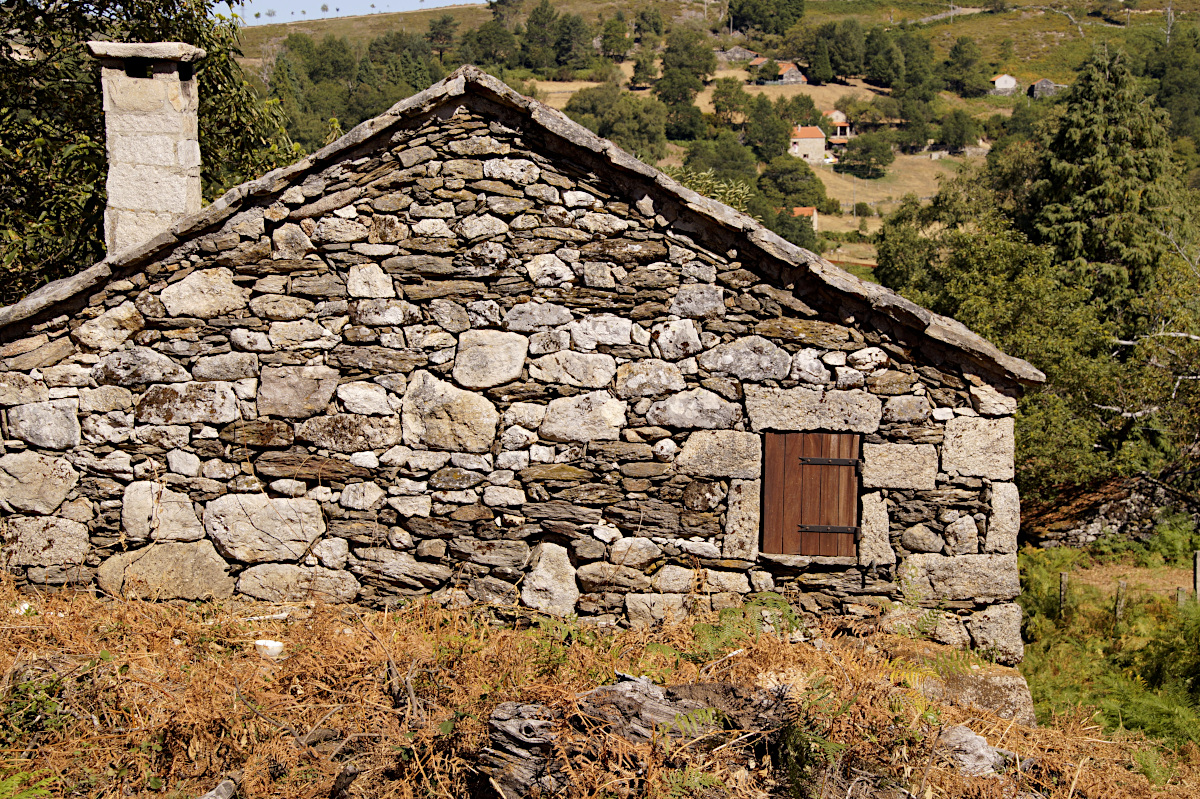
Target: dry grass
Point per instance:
(169, 698)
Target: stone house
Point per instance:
(1004, 85)
(473, 350)
(1044, 88)
(807, 142)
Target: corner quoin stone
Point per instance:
(978, 447)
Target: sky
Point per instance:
(297, 10)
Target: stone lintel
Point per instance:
(157, 51)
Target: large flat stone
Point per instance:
(752, 358)
(899, 466)
(439, 415)
(977, 578)
(151, 511)
(50, 425)
(587, 417)
(287, 582)
(650, 377)
(296, 392)
(110, 329)
(812, 409)
(698, 408)
(21, 389)
(350, 432)
(487, 358)
(398, 568)
(978, 447)
(574, 369)
(138, 366)
(35, 483)
(721, 453)
(205, 294)
(42, 541)
(188, 403)
(254, 528)
(300, 464)
(167, 571)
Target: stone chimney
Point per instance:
(150, 103)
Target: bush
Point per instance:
(863, 209)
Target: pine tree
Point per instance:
(820, 70)
(1104, 185)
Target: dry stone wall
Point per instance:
(458, 361)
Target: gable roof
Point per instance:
(472, 80)
(808, 132)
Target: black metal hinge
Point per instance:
(822, 528)
(855, 462)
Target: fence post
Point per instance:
(1122, 587)
(1062, 594)
(1181, 596)
(1196, 575)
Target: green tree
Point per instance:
(788, 181)
(959, 129)
(645, 70)
(614, 40)
(766, 132)
(538, 45)
(1175, 66)
(768, 71)
(649, 21)
(725, 156)
(847, 46)
(677, 87)
(1106, 184)
(768, 16)
(963, 69)
(867, 155)
(690, 52)
(52, 125)
(729, 100)
(491, 43)
(573, 47)
(883, 58)
(504, 11)
(820, 70)
(636, 124)
(441, 34)
(960, 257)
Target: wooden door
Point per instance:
(810, 494)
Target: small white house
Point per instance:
(1004, 84)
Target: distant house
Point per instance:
(1044, 88)
(810, 212)
(1004, 85)
(736, 53)
(808, 142)
(841, 125)
(790, 73)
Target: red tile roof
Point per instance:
(808, 132)
(804, 210)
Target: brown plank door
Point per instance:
(810, 494)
